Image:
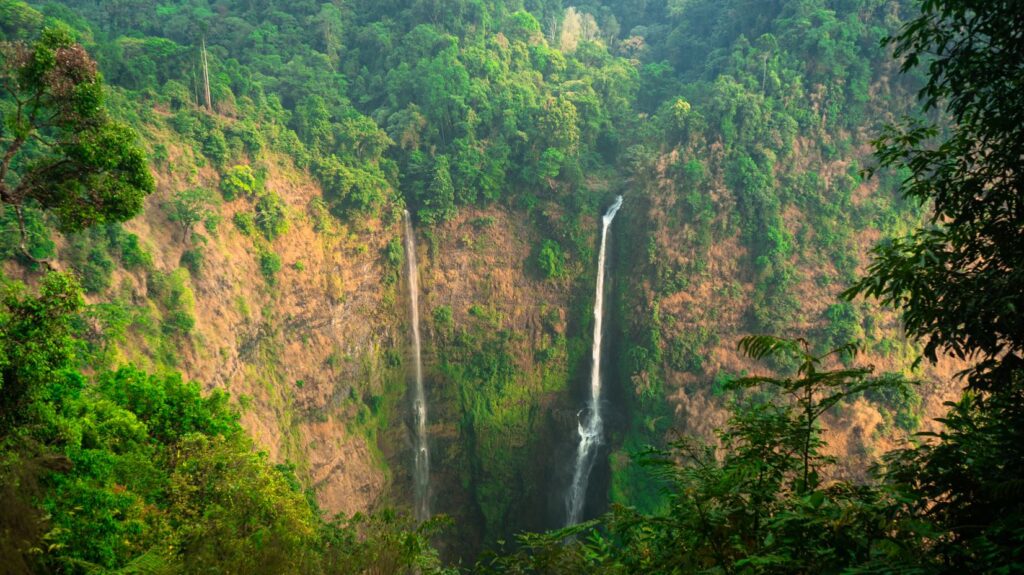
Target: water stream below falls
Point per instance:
(590, 425)
(421, 471)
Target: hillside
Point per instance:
(268, 261)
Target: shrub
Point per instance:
(178, 322)
(88, 254)
(215, 146)
(685, 351)
(174, 295)
(270, 264)
(551, 260)
(160, 156)
(489, 315)
(482, 222)
(212, 222)
(185, 123)
(271, 215)
(394, 252)
(132, 254)
(193, 260)
(319, 215)
(443, 321)
(249, 135)
(246, 223)
(900, 402)
(238, 181)
(844, 324)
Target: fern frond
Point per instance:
(762, 346)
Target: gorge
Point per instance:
(333, 286)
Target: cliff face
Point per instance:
(308, 353)
(699, 286)
(314, 350)
(504, 349)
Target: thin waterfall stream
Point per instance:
(590, 425)
(421, 471)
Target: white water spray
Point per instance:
(590, 425)
(421, 472)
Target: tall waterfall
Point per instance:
(590, 425)
(421, 472)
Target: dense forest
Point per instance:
(813, 338)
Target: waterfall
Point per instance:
(590, 426)
(421, 472)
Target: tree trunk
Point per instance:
(206, 79)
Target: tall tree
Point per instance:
(206, 80)
(960, 280)
(60, 149)
(438, 201)
(190, 207)
(36, 339)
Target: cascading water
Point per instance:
(421, 472)
(590, 425)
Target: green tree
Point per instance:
(438, 201)
(36, 339)
(238, 181)
(34, 228)
(958, 279)
(551, 260)
(18, 18)
(190, 207)
(313, 124)
(550, 165)
(558, 125)
(271, 215)
(61, 150)
(270, 264)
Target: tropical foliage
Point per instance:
(732, 115)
